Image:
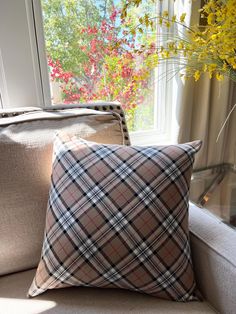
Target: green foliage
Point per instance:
(63, 23)
(94, 57)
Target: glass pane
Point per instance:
(214, 188)
(91, 56)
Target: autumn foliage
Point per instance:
(111, 69)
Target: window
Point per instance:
(1, 106)
(20, 77)
(24, 79)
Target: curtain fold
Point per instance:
(200, 110)
(202, 107)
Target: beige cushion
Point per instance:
(25, 168)
(13, 289)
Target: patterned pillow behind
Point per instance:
(118, 218)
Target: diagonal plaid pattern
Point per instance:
(118, 218)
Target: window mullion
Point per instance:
(40, 40)
(1, 105)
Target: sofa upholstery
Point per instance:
(214, 257)
(25, 167)
(13, 290)
(22, 221)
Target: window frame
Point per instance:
(3, 88)
(162, 110)
(40, 39)
(20, 78)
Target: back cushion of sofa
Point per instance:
(25, 169)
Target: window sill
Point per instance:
(150, 137)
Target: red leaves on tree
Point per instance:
(110, 72)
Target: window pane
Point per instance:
(91, 57)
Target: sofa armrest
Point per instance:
(214, 258)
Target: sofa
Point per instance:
(26, 136)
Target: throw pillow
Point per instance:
(117, 217)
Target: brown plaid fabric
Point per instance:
(118, 218)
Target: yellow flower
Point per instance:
(165, 14)
(165, 54)
(182, 17)
(225, 67)
(210, 48)
(197, 75)
(171, 46)
(152, 60)
(211, 19)
(180, 45)
(214, 36)
(205, 68)
(219, 76)
(173, 19)
(212, 67)
(167, 23)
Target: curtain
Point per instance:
(200, 110)
(202, 107)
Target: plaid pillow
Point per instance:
(118, 218)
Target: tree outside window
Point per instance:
(91, 56)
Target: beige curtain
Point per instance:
(203, 108)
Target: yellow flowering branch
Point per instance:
(200, 49)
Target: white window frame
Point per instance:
(20, 76)
(3, 88)
(38, 20)
(162, 133)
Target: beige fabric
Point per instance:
(25, 169)
(214, 259)
(13, 289)
(230, 153)
(50, 115)
(202, 107)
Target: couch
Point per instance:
(25, 164)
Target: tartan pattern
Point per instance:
(117, 217)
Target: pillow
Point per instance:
(117, 217)
(26, 144)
